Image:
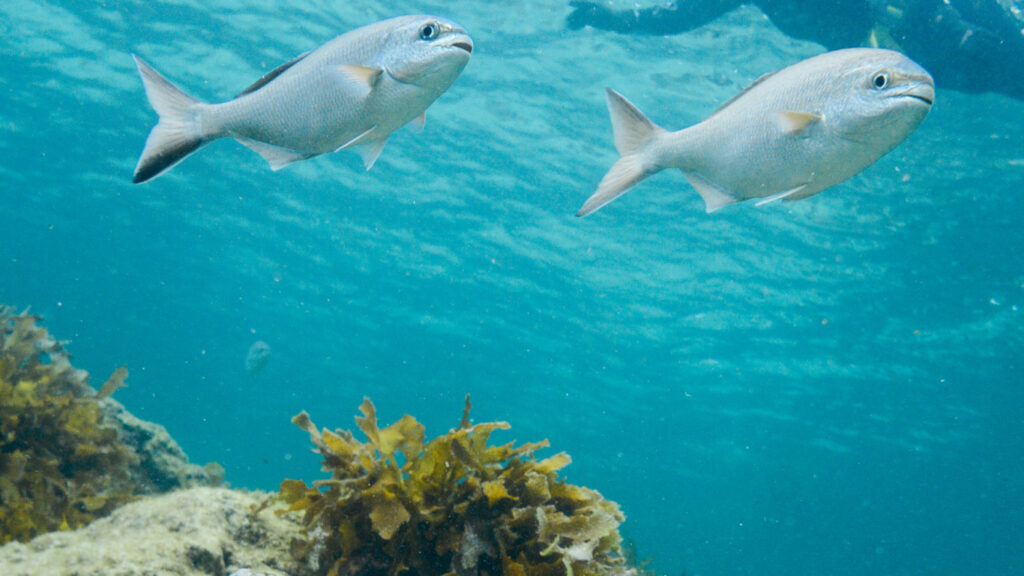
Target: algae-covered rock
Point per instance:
(453, 506)
(194, 532)
(69, 454)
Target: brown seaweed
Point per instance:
(455, 505)
(61, 466)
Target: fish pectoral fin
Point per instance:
(795, 123)
(277, 156)
(714, 197)
(781, 195)
(362, 78)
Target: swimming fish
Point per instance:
(790, 135)
(257, 357)
(351, 92)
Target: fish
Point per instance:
(257, 357)
(788, 136)
(350, 93)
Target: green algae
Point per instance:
(60, 466)
(453, 506)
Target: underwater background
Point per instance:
(832, 386)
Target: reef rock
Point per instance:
(196, 532)
(163, 465)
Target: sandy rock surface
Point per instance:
(195, 532)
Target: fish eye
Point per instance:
(881, 80)
(429, 31)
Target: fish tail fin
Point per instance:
(177, 134)
(633, 133)
(622, 176)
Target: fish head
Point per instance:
(889, 96)
(427, 51)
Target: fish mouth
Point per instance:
(468, 47)
(921, 98)
(923, 92)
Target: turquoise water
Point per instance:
(827, 387)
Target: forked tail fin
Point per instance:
(176, 134)
(633, 132)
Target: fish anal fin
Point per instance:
(266, 78)
(795, 123)
(785, 194)
(715, 198)
(277, 156)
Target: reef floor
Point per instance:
(199, 531)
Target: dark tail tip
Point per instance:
(151, 166)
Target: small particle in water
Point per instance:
(256, 359)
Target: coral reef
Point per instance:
(68, 454)
(455, 505)
(192, 532)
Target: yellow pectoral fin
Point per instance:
(367, 76)
(795, 123)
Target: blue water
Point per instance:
(827, 387)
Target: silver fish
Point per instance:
(351, 92)
(790, 135)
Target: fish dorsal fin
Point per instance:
(795, 123)
(361, 76)
(367, 147)
(781, 195)
(277, 156)
(714, 197)
(271, 75)
(745, 90)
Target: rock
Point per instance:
(200, 531)
(163, 464)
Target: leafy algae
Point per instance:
(455, 505)
(64, 461)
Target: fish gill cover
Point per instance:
(455, 505)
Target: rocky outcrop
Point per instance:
(196, 532)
